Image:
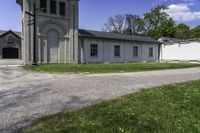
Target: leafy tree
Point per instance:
(115, 24)
(140, 26)
(134, 24)
(196, 32)
(158, 23)
(167, 29)
(154, 33)
(156, 17)
(183, 31)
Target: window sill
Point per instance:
(53, 15)
(117, 56)
(135, 56)
(94, 56)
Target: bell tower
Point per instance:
(49, 31)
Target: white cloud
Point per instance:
(189, 0)
(183, 13)
(182, 0)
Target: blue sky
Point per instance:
(93, 13)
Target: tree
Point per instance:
(156, 17)
(154, 33)
(115, 24)
(167, 28)
(196, 32)
(183, 31)
(158, 23)
(134, 24)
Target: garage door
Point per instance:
(10, 53)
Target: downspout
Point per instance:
(34, 36)
(73, 33)
(82, 52)
(103, 51)
(124, 52)
(141, 52)
(159, 52)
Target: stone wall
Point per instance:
(64, 27)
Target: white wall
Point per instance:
(106, 51)
(184, 52)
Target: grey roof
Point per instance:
(171, 40)
(17, 33)
(100, 34)
(115, 36)
(3, 32)
(194, 40)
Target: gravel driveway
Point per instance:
(26, 96)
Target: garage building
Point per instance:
(10, 45)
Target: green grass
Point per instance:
(108, 68)
(166, 109)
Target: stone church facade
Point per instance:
(59, 39)
(56, 31)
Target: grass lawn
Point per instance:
(166, 109)
(108, 68)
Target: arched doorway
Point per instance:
(52, 46)
(10, 53)
(53, 43)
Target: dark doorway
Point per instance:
(10, 53)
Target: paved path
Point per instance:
(10, 62)
(25, 96)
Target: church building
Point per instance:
(51, 34)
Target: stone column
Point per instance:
(73, 31)
(26, 35)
